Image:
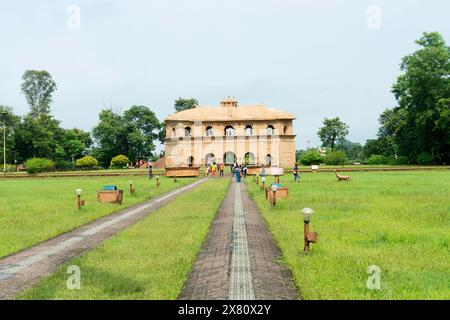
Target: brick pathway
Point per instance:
(23, 269)
(236, 263)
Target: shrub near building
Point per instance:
(86, 163)
(335, 158)
(118, 162)
(312, 156)
(37, 165)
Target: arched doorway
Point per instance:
(249, 159)
(229, 158)
(190, 161)
(209, 159)
(268, 161)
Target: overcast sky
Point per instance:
(314, 58)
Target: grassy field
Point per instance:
(149, 260)
(399, 221)
(34, 210)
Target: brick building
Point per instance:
(251, 134)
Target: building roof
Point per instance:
(240, 113)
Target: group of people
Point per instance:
(240, 171)
(215, 168)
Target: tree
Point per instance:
(353, 151)
(12, 123)
(75, 142)
(185, 104)
(38, 88)
(419, 124)
(132, 134)
(38, 137)
(335, 158)
(380, 146)
(143, 128)
(333, 130)
(311, 156)
(109, 137)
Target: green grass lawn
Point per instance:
(150, 260)
(399, 221)
(33, 210)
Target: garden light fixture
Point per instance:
(132, 189)
(80, 203)
(157, 181)
(274, 188)
(310, 237)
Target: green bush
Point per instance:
(87, 162)
(9, 168)
(377, 159)
(310, 157)
(120, 161)
(425, 159)
(400, 161)
(63, 165)
(37, 165)
(335, 158)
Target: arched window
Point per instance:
(187, 132)
(270, 130)
(209, 131)
(229, 158)
(229, 131)
(249, 159)
(249, 130)
(268, 160)
(285, 130)
(209, 159)
(174, 133)
(191, 161)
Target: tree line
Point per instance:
(416, 131)
(117, 138)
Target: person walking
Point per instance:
(150, 170)
(296, 174)
(245, 171)
(263, 171)
(238, 172)
(221, 168)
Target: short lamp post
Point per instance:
(80, 203)
(274, 194)
(174, 178)
(310, 237)
(132, 188)
(263, 180)
(157, 181)
(257, 179)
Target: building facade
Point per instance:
(253, 134)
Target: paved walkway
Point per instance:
(238, 258)
(23, 269)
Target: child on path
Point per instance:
(214, 169)
(296, 174)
